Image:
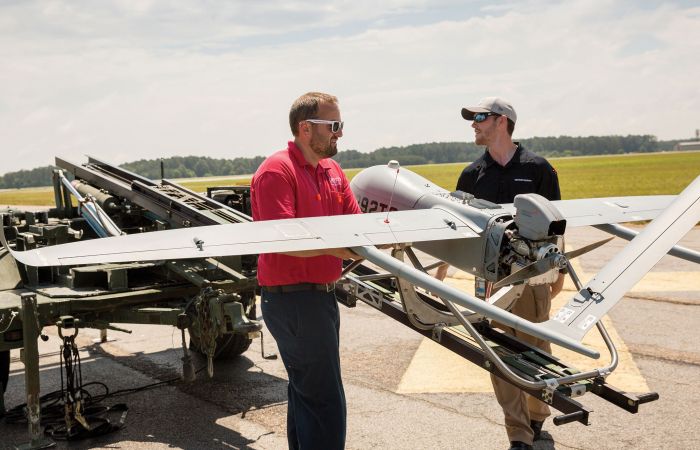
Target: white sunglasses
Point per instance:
(336, 126)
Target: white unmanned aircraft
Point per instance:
(506, 244)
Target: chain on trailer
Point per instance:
(73, 412)
(205, 326)
(82, 417)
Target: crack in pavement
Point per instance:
(664, 354)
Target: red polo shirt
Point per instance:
(286, 186)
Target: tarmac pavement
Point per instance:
(402, 392)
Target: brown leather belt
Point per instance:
(284, 288)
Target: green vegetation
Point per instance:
(580, 177)
(201, 186)
(41, 176)
(194, 166)
(430, 153)
(452, 152)
(602, 176)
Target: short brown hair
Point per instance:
(511, 127)
(306, 107)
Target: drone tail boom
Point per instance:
(628, 234)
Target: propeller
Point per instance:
(548, 263)
(587, 248)
(531, 270)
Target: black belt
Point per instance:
(327, 287)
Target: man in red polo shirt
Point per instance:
(298, 300)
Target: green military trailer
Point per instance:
(211, 299)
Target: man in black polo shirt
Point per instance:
(505, 170)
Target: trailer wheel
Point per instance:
(229, 345)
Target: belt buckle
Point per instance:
(330, 287)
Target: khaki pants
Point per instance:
(518, 407)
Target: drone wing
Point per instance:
(273, 236)
(597, 211)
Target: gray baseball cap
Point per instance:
(490, 104)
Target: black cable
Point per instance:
(73, 412)
(52, 403)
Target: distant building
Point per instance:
(692, 145)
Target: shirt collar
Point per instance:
(301, 161)
(488, 159)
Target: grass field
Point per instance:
(602, 176)
(28, 196)
(579, 177)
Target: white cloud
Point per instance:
(137, 79)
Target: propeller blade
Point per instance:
(529, 271)
(587, 248)
(546, 264)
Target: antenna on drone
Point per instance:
(393, 165)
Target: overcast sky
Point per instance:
(132, 79)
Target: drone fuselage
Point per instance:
(501, 249)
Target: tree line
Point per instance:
(429, 153)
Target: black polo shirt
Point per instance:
(525, 173)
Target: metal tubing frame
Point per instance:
(375, 277)
(98, 219)
(451, 339)
(614, 358)
(426, 281)
(453, 342)
(420, 314)
(496, 360)
(520, 381)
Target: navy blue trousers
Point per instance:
(306, 326)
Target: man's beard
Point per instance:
(324, 149)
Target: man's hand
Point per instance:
(441, 271)
(557, 285)
(343, 253)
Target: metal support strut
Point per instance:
(30, 358)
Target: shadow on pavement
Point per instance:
(203, 414)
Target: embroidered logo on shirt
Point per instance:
(335, 181)
(527, 180)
